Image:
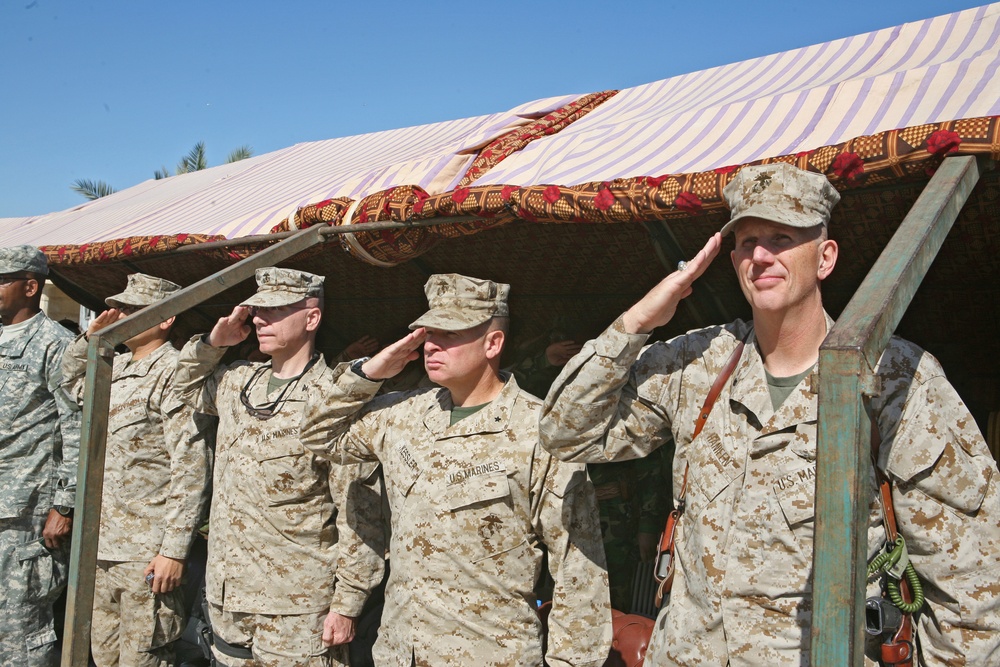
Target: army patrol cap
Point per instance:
(283, 287)
(458, 302)
(780, 193)
(142, 290)
(23, 258)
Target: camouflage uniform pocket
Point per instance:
(39, 576)
(156, 620)
(41, 639)
(484, 506)
(796, 496)
(168, 621)
(290, 479)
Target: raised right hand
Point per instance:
(660, 303)
(230, 330)
(105, 319)
(393, 358)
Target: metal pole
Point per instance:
(93, 440)
(846, 374)
(90, 483)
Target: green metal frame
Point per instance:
(847, 360)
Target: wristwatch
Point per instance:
(64, 510)
(356, 367)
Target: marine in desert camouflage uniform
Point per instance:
(39, 449)
(742, 593)
(475, 501)
(632, 496)
(292, 538)
(156, 487)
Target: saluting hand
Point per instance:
(660, 303)
(559, 353)
(362, 347)
(393, 359)
(105, 319)
(230, 330)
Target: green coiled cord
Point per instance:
(885, 562)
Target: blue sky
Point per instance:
(114, 90)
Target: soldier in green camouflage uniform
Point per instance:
(295, 544)
(156, 487)
(39, 448)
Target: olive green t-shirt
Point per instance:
(781, 388)
(458, 414)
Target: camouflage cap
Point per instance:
(142, 290)
(780, 193)
(459, 302)
(23, 258)
(283, 287)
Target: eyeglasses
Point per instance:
(129, 310)
(11, 278)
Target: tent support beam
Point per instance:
(847, 361)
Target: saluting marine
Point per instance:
(742, 593)
(156, 486)
(475, 501)
(292, 538)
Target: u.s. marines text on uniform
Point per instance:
(291, 537)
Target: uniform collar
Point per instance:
(142, 367)
(749, 389)
(493, 418)
(16, 346)
(258, 392)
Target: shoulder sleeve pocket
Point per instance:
(943, 470)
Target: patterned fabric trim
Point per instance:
(327, 212)
(908, 154)
(510, 143)
(118, 249)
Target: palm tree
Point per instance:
(92, 189)
(195, 160)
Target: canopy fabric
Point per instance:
(930, 71)
(877, 106)
(251, 196)
(884, 121)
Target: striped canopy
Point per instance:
(935, 70)
(926, 72)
